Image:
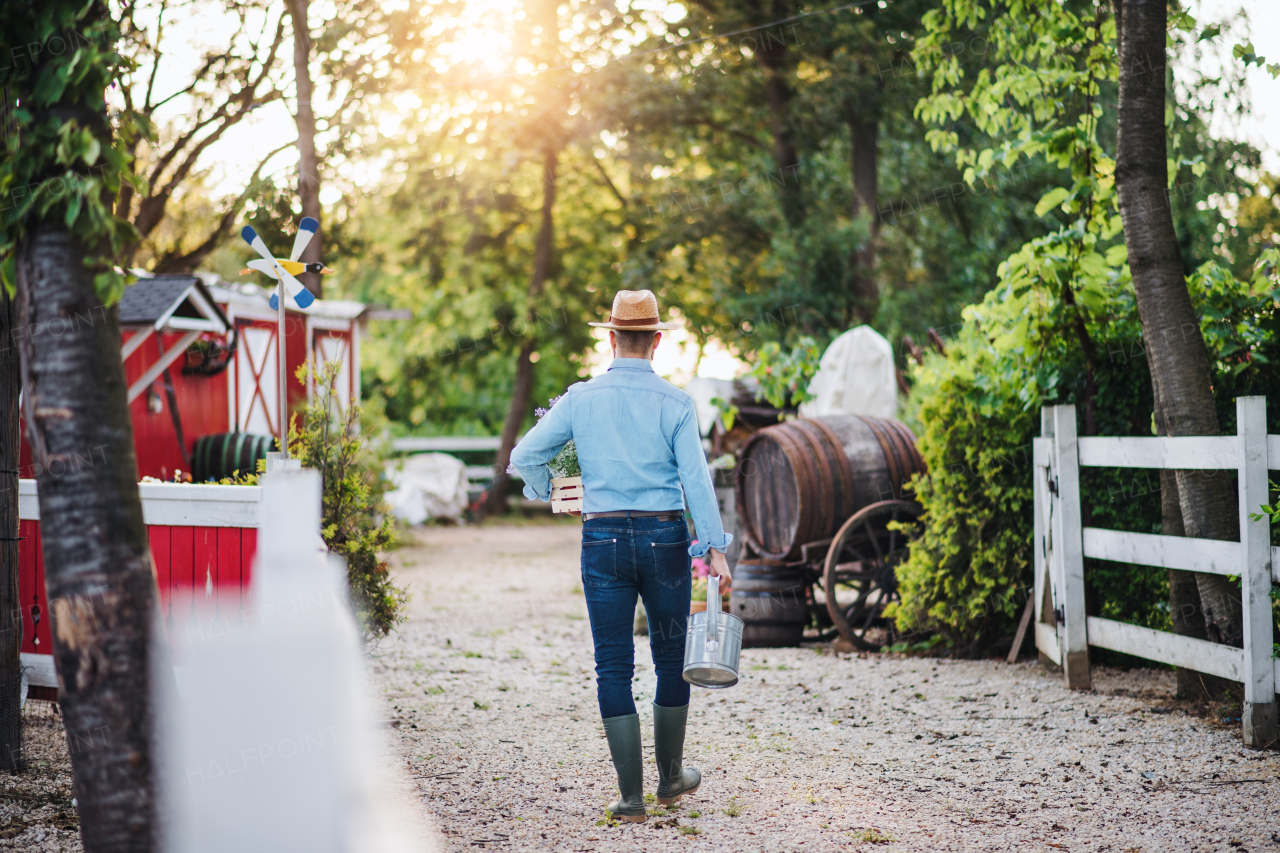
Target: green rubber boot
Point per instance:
(623, 734)
(674, 779)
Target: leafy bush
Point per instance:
(329, 439)
(976, 410)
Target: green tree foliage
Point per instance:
(330, 440)
(1061, 324)
(62, 163)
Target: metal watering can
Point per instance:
(712, 644)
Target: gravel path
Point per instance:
(493, 696)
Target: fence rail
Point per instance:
(1063, 630)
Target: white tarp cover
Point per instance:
(428, 485)
(703, 390)
(855, 377)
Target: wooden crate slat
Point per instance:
(1210, 556)
(206, 566)
(1164, 647)
(28, 551)
(45, 630)
(227, 580)
(161, 558)
(248, 549)
(178, 613)
(1205, 452)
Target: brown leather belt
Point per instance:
(662, 515)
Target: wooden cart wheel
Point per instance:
(860, 576)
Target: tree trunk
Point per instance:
(1180, 376)
(1184, 594)
(98, 571)
(308, 162)
(522, 390)
(772, 56)
(10, 602)
(864, 131)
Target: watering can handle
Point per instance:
(713, 607)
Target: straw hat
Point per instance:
(635, 311)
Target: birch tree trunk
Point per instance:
(308, 161)
(522, 389)
(98, 571)
(1180, 376)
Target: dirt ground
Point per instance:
(36, 806)
(492, 693)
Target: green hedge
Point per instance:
(976, 410)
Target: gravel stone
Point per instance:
(491, 691)
(36, 811)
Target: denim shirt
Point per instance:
(638, 443)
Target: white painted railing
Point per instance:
(1064, 631)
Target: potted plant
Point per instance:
(566, 474)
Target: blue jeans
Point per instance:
(623, 557)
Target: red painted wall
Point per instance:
(194, 566)
(202, 405)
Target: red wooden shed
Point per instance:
(200, 358)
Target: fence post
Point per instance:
(1068, 544)
(1045, 558)
(1259, 712)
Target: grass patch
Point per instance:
(873, 836)
(433, 691)
(516, 654)
(472, 655)
(689, 830)
(734, 809)
(480, 706)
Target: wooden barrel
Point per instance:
(798, 481)
(770, 598)
(226, 454)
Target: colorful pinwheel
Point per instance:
(286, 270)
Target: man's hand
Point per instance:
(720, 567)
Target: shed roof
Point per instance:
(177, 301)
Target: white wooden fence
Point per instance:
(1064, 632)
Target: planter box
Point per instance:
(203, 540)
(566, 494)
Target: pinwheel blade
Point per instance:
(251, 237)
(306, 230)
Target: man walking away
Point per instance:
(641, 457)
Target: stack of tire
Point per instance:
(226, 455)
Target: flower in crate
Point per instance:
(564, 463)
